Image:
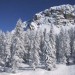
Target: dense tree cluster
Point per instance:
(36, 48)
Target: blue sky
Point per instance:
(12, 10)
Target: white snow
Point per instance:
(56, 30)
(64, 7)
(33, 25)
(13, 31)
(60, 70)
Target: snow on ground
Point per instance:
(61, 70)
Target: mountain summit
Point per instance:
(58, 16)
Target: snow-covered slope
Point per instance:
(61, 70)
(58, 16)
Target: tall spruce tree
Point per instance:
(64, 46)
(49, 50)
(52, 40)
(17, 47)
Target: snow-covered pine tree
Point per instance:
(27, 47)
(2, 37)
(64, 46)
(67, 46)
(14, 54)
(8, 43)
(62, 58)
(42, 58)
(72, 37)
(73, 44)
(73, 51)
(17, 47)
(52, 40)
(19, 33)
(57, 48)
(36, 49)
(19, 29)
(3, 51)
(31, 53)
(49, 53)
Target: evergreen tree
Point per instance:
(19, 33)
(52, 39)
(17, 47)
(72, 36)
(36, 50)
(31, 53)
(27, 47)
(64, 46)
(2, 38)
(14, 54)
(67, 46)
(57, 48)
(49, 50)
(73, 51)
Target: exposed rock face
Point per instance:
(58, 16)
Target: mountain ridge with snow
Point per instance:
(58, 16)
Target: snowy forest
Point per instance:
(36, 48)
